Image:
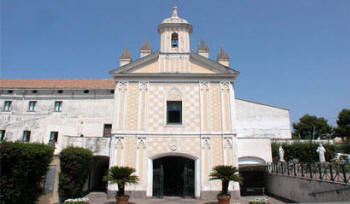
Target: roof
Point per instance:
(175, 22)
(175, 18)
(262, 104)
(57, 83)
(211, 64)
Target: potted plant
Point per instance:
(225, 174)
(121, 176)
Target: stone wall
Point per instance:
(306, 190)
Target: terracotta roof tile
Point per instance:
(57, 83)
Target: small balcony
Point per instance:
(98, 145)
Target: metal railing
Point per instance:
(332, 172)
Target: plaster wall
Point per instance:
(139, 151)
(306, 190)
(81, 114)
(52, 197)
(173, 63)
(254, 148)
(259, 120)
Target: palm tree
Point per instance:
(121, 176)
(225, 174)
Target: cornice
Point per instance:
(181, 76)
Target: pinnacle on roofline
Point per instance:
(222, 55)
(146, 46)
(174, 12)
(125, 54)
(203, 46)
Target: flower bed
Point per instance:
(259, 201)
(77, 201)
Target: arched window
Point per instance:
(174, 40)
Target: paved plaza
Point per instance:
(101, 198)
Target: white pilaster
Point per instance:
(232, 108)
(197, 188)
(149, 178)
(139, 106)
(145, 119)
(125, 105)
(208, 108)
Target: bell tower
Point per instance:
(174, 34)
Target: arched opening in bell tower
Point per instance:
(174, 40)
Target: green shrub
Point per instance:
(344, 147)
(22, 171)
(304, 152)
(75, 165)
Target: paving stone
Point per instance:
(101, 198)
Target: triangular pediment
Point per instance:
(162, 63)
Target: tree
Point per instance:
(75, 163)
(121, 176)
(311, 127)
(343, 122)
(225, 174)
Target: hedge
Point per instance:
(75, 165)
(22, 171)
(304, 152)
(344, 147)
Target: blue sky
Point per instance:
(293, 54)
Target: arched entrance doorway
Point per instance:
(253, 171)
(173, 176)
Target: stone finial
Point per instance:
(203, 46)
(174, 12)
(203, 49)
(223, 58)
(222, 55)
(125, 57)
(125, 54)
(145, 49)
(146, 46)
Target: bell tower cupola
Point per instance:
(174, 34)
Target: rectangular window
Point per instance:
(107, 130)
(53, 136)
(26, 136)
(58, 106)
(174, 112)
(31, 106)
(2, 135)
(7, 105)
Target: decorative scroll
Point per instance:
(122, 86)
(228, 143)
(174, 94)
(204, 85)
(141, 142)
(206, 142)
(143, 85)
(225, 85)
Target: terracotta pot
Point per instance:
(122, 200)
(224, 200)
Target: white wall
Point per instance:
(255, 148)
(81, 114)
(259, 120)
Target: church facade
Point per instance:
(172, 115)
